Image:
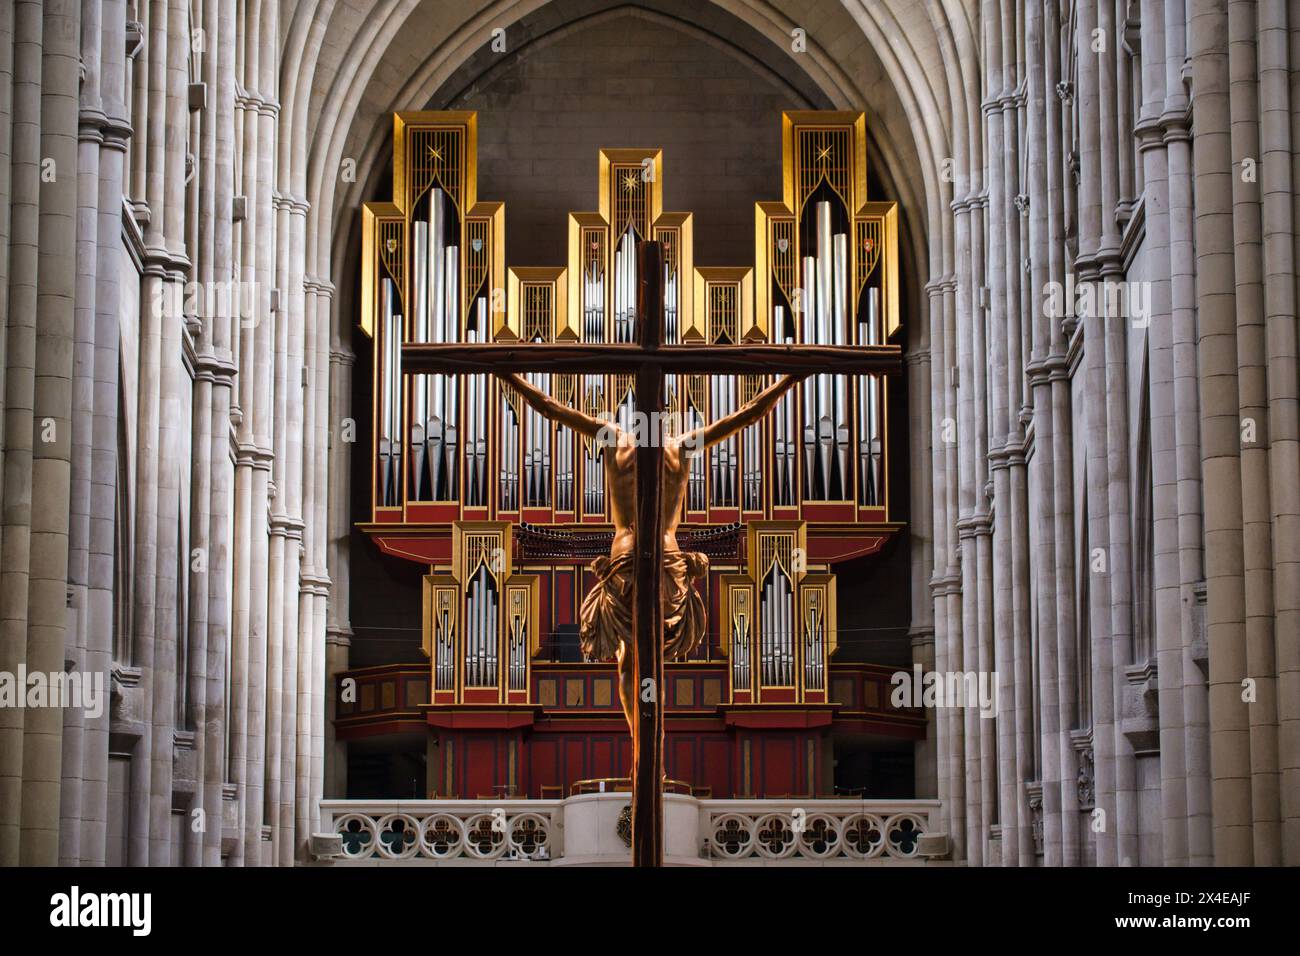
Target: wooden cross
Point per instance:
(649, 359)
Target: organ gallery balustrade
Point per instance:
(726, 832)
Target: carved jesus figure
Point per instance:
(606, 627)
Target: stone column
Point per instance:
(247, 497)
(20, 385)
(83, 408)
(339, 630)
(320, 520)
(116, 132)
(216, 703)
(6, 161)
(279, 588)
(1109, 261)
(1220, 435)
(1279, 173)
(1040, 94)
(52, 411)
(1252, 397)
(1100, 554)
(1175, 126)
(1164, 493)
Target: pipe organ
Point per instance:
(461, 462)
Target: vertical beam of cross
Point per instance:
(647, 572)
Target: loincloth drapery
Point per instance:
(607, 608)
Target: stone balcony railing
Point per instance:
(594, 828)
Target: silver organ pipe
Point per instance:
(781, 631)
(672, 336)
(826, 397)
(767, 628)
(420, 384)
(435, 268)
(629, 287)
(473, 424)
(778, 629)
(434, 405)
(483, 625)
(481, 412)
(593, 480)
(443, 676)
(783, 435)
(813, 644)
(469, 631)
(753, 468)
(563, 468)
(695, 482)
(480, 627)
(619, 280)
(722, 393)
(530, 426)
(490, 631)
(518, 649)
(786, 630)
(672, 333)
(509, 464)
(753, 463)
(731, 474)
(537, 449)
(593, 299)
(869, 441)
(740, 647)
(626, 411)
(475, 438)
(810, 384)
(625, 287)
(481, 642)
(390, 415)
(451, 410)
(839, 336)
(824, 274)
(720, 449)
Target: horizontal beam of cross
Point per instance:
(463, 358)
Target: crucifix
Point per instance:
(636, 469)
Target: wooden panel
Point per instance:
(684, 692)
(778, 774)
(546, 692)
(480, 773)
(871, 695)
(715, 766)
(624, 755)
(681, 758)
(602, 692)
(575, 762)
(563, 598)
(573, 691)
(711, 688)
(543, 764)
(603, 761)
(842, 691)
(416, 693)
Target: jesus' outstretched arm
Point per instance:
(548, 407)
(752, 411)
